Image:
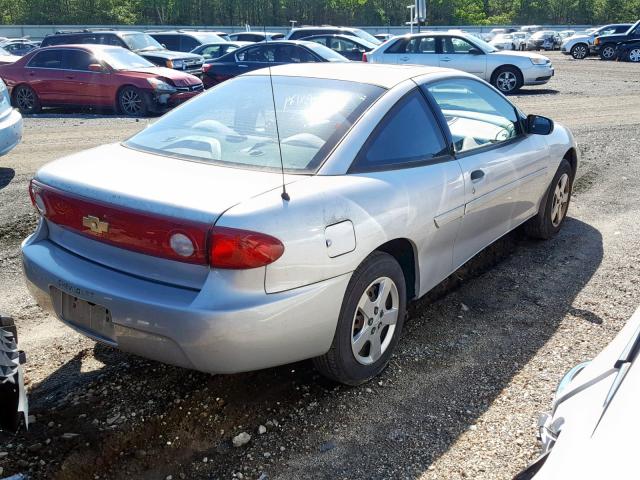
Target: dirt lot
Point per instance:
(478, 360)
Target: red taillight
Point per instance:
(147, 233)
(206, 67)
(238, 249)
(364, 57)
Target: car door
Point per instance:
(505, 171)
(461, 54)
(420, 50)
(79, 85)
(417, 182)
(45, 73)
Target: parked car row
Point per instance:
(619, 41)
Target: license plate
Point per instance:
(90, 317)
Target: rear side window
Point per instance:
(408, 134)
(413, 45)
(46, 59)
(188, 43)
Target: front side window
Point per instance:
(77, 60)
(408, 134)
(234, 124)
(477, 115)
(188, 43)
(454, 45)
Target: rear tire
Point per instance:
(555, 205)
(634, 55)
(133, 102)
(579, 51)
(26, 99)
(507, 79)
(370, 322)
(608, 52)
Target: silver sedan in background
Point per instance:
(508, 71)
(286, 217)
(10, 122)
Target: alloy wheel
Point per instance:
(374, 321)
(131, 102)
(560, 200)
(25, 99)
(608, 53)
(506, 81)
(634, 55)
(579, 52)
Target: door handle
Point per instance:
(445, 59)
(404, 59)
(477, 175)
(242, 66)
(70, 77)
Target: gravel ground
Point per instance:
(479, 357)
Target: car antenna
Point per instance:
(284, 194)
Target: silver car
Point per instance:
(254, 227)
(506, 70)
(581, 45)
(10, 122)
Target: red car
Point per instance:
(98, 76)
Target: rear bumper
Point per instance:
(218, 329)
(10, 131)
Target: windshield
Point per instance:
(487, 48)
(141, 41)
(367, 36)
(539, 35)
(325, 52)
(122, 59)
(234, 125)
(208, 37)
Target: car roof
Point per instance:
(91, 47)
(382, 75)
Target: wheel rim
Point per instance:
(579, 52)
(506, 81)
(608, 52)
(634, 55)
(25, 99)
(560, 200)
(131, 102)
(374, 321)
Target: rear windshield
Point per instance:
(234, 124)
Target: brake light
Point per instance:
(596, 41)
(147, 233)
(236, 249)
(364, 57)
(206, 67)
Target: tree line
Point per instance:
(314, 12)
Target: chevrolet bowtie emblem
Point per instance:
(95, 224)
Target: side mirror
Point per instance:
(475, 51)
(538, 125)
(96, 67)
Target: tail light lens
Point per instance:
(239, 249)
(206, 67)
(157, 235)
(364, 57)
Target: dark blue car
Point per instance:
(265, 54)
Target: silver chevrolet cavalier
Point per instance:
(293, 216)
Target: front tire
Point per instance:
(26, 99)
(370, 322)
(607, 52)
(507, 79)
(553, 210)
(132, 102)
(579, 51)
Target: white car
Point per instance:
(580, 46)
(10, 122)
(199, 256)
(504, 41)
(520, 40)
(7, 57)
(592, 430)
(506, 70)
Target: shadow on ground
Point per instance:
(6, 175)
(451, 364)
